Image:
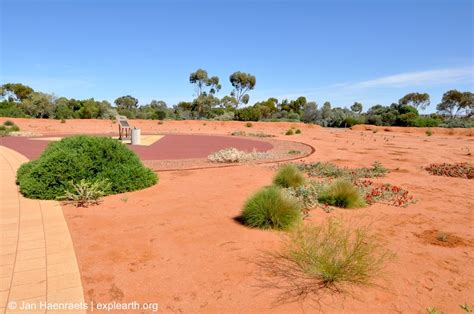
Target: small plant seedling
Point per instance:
(443, 237)
(249, 124)
(124, 199)
(433, 310)
(465, 307)
(429, 132)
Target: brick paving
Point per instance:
(37, 258)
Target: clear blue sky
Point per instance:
(341, 51)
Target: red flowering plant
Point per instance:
(457, 170)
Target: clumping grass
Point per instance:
(249, 124)
(14, 128)
(270, 208)
(63, 121)
(85, 193)
(289, 132)
(8, 123)
(334, 254)
(289, 176)
(297, 131)
(327, 169)
(342, 193)
(429, 132)
(294, 152)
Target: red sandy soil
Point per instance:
(178, 243)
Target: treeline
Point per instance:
(456, 108)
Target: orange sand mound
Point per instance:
(178, 243)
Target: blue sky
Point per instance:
(340, 51)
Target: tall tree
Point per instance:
(126, 102)
(357, 107)
(16, 91)
(455, 103)
(242, 83)
(417, 100)
(201, 80)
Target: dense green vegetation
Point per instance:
(94, 159)
(270, 208)
(456, 108)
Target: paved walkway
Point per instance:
(37, 258)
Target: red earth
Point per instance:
(178, 242)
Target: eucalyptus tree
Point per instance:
(242, 83)
(417, 100)
(201, 80)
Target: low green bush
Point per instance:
(342, 193)
(8, 123)
(289, 132)
(334, 254)
(89, 158)
(289, 176)
(270, 208)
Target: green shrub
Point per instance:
(289, 176)
(297, 131)
(86, 193)
(3, 128)
(334, 254)
(289, 132)
(270, 208)
(342, 193)
(249, 124)
(83, 157)
(8, 123)
(14, 128)
(429, 132)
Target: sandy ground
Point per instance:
(177, 243)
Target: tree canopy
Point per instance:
(242, 83)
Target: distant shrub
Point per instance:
(270, 208)
(297, 131)
(334, 254)
(425, 122)
(14, 128)
(342, 193)
(88, 158)
(289, 176)
(249, 124)
(429, 132)
(8, 123)
(289, 132)
(294, 152)
(63, 121)
(85, 193)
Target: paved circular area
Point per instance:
(168, 147)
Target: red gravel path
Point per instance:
(168, 148)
